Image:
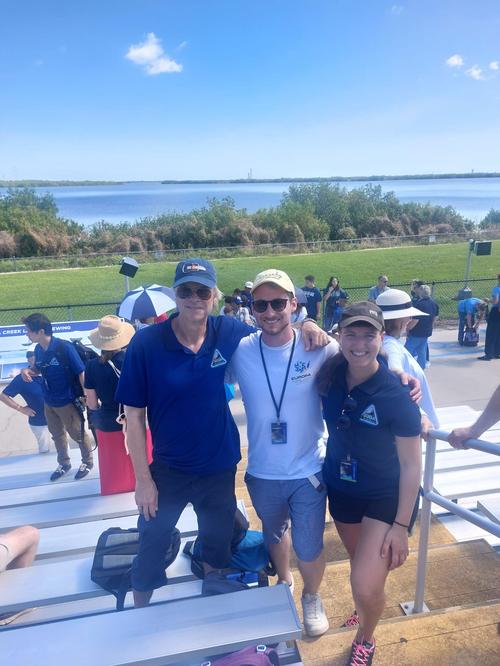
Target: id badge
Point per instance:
(349, 470)
(278, 432)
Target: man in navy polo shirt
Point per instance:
(32, 394)
(314, 298)
(175, 371)
(59, 364)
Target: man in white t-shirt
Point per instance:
(285, 438)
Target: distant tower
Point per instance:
(250, 176)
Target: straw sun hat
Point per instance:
(396, 304)
(112, 333)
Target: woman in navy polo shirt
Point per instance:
(112, 336)
(372, 467)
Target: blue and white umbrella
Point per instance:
(144, 302)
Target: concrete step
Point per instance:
(457, 574)
(464, 636)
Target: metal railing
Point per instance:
(430, 496)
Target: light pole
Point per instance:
(128, 268)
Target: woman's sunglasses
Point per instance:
(348, 407)
(277, 304)
(186, 292)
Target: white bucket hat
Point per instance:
(396, 304)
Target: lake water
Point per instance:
(472, 197)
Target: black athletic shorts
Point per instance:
(347, 509)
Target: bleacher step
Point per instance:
(466, 636)
(457, 574)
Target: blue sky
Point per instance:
(152, 89)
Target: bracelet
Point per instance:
(310, 319)
(395, 522)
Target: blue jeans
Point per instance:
(418, 349)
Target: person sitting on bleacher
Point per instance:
(176, 370)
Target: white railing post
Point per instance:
(425, 526)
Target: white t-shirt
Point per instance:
(401, 360)
(304, 452)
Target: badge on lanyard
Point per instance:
(349, 470)
(278, 428)
(278, 432)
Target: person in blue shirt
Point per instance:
(372, 466)
(174, 372)
(314, 298)
(492, 340)
(335, 299)
(60, 367)
(470, 314)
(111, 336)
(379, 288)
(32, 394)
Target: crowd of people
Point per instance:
(166, 382)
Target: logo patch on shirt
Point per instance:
(217, 359)
(369, 416)
(53, 361)
(302, 371)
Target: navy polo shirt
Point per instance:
(58, 363)
(313, 296)
(191, 425)
(383, 411)
(423, 329)
(32, 393)
(103, 380)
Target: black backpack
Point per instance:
(112, 565)
(85, 354)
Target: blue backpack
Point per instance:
(249, 566)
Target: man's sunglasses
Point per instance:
(344, 422)
(186, 292)
(277, 304)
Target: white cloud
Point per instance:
(150, 55)
(495, 65)
(455, 60)
(397, 10)
(475, 72)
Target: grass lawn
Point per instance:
(356, 268)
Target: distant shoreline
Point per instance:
(249, 181)
(334, 179)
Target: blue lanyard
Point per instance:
(276, 406)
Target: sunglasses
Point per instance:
(277, 304)
(344, 422)
(183, 292)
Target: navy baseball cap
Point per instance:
(200, 271)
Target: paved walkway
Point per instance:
(455, 375)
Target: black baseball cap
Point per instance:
(363, 311)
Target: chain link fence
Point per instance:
(443, 292)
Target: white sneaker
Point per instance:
(315, 620)
(285, 582)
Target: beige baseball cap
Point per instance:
(274, 276)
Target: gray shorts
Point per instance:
(279, 503)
